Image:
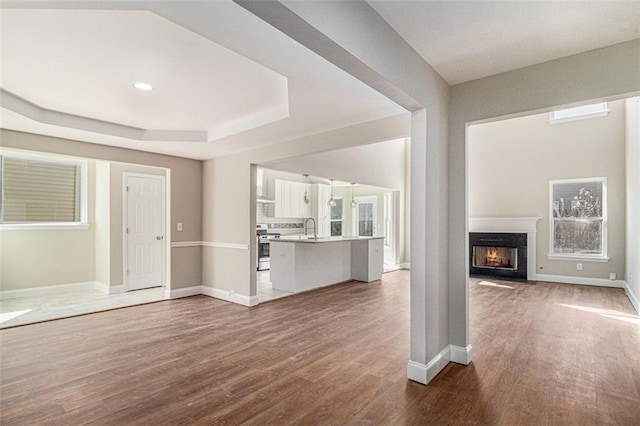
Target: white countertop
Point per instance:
(306, 239)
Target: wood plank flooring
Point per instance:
(543, 354)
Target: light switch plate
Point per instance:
(179, 226)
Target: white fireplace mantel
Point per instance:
(512, 225)
(503, 224)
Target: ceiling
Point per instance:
(468, 40)
(85, 62)
(225, 81)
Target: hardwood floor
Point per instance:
(543, 354)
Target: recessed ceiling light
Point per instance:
(143, 86)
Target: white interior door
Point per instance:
(144, 230)
(366, 216)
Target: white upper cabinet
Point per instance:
(290, 199)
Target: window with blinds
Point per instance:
(40, 190)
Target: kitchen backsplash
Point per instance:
(282, 225)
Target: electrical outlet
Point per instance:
(579, 266)
(612, 275)
(179, 226)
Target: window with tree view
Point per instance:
(578, 214)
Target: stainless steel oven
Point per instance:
(263, 248)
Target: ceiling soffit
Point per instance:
(76, 68)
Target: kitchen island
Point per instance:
(302, 263)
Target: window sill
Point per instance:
(578, 257)
(44, 226)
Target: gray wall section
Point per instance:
(512, 161)
(227, 220)
(186, 193)
(355, 38)
(608, 73)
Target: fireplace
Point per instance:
(502, 255)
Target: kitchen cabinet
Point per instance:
(305, 264)
(290, 200)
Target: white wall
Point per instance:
(379, 164)
(512, 161)
(47, 257)
(632, 275)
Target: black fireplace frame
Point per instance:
(500, 239)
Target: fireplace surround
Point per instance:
(498, 254)
(510, 225)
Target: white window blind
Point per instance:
(37, 190)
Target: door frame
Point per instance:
(391, 197)
(166, 220)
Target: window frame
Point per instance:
(81, 191)
(331, 220)
(600, 257)
(604, 111)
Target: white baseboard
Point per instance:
(109, 289)
(601, 282)
(182, 292)
(229, 296)
(417, 372)
(632, 297)
(425, 373)
(461, 355)
(405, 266)
(43, 291)
(102, 287)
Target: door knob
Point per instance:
(159, 237)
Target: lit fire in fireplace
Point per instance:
(493, 257)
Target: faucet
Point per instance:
(315, 231)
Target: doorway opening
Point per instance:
(366, 214)
(298, 205)
(76, 269)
